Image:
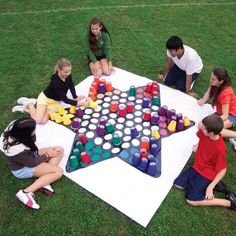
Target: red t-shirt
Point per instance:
(210, 157)
(227, 96)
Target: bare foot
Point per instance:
(193, 94)
(200, 102)
(160, 76)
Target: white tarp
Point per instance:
(135, 194)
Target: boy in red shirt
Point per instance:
(208, 169)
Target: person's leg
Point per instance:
(105, 68)
(226, 133)
(196, 191)
(181, 182)
(39, 114)
(196, 186)
(59, 154)
(96, 68)
(194, 79)
(212, 202)
(174, 75)
(223, 188)
(230, 122)
(181, 82)
(47, 173)
(45, 118)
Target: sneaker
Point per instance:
(233, 142)
(27, 199)
(192, 84)
(18, 108)
(26, 101)
(232, 198)
(222, 188)
(47, 189)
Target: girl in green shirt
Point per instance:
(98, 44)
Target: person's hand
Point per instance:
(193, 94)
(199, 126)
(97, 68)
(194, 148)
(83, 103)
(110, 67)
(80, 97)
(53, 152)
(200, 102)
(160, 76)
(209, 193)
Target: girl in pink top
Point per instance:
(222, 96)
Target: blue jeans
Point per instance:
(177, 77)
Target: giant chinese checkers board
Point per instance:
(128, 124)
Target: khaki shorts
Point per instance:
(50, 103)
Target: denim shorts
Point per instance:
(232, 119)
(24, 173)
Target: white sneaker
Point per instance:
(47, 189)
(27, 199)
(26, 101)
(192, 84)
(18, 108)
(233, 142)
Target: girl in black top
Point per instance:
(25, 160)
(48, 100)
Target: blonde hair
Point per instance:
(62, 63)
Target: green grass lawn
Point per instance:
(33, 38)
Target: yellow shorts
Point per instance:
(50, 103)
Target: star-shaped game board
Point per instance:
(128, 124)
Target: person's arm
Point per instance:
(195, 147)
(167, 66)
(88, 49)
(209, 191)
(225, 112)
(188, 86)
(204, 99)
(62, 96)
(72, 87)
(188, 83)
(30, 159)
(107, 47)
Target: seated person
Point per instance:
(182, 67)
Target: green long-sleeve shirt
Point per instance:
(103, 47)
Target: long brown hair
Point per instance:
(92, 37)
(21, 131)
(222, 75)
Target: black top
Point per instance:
(57, 89)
